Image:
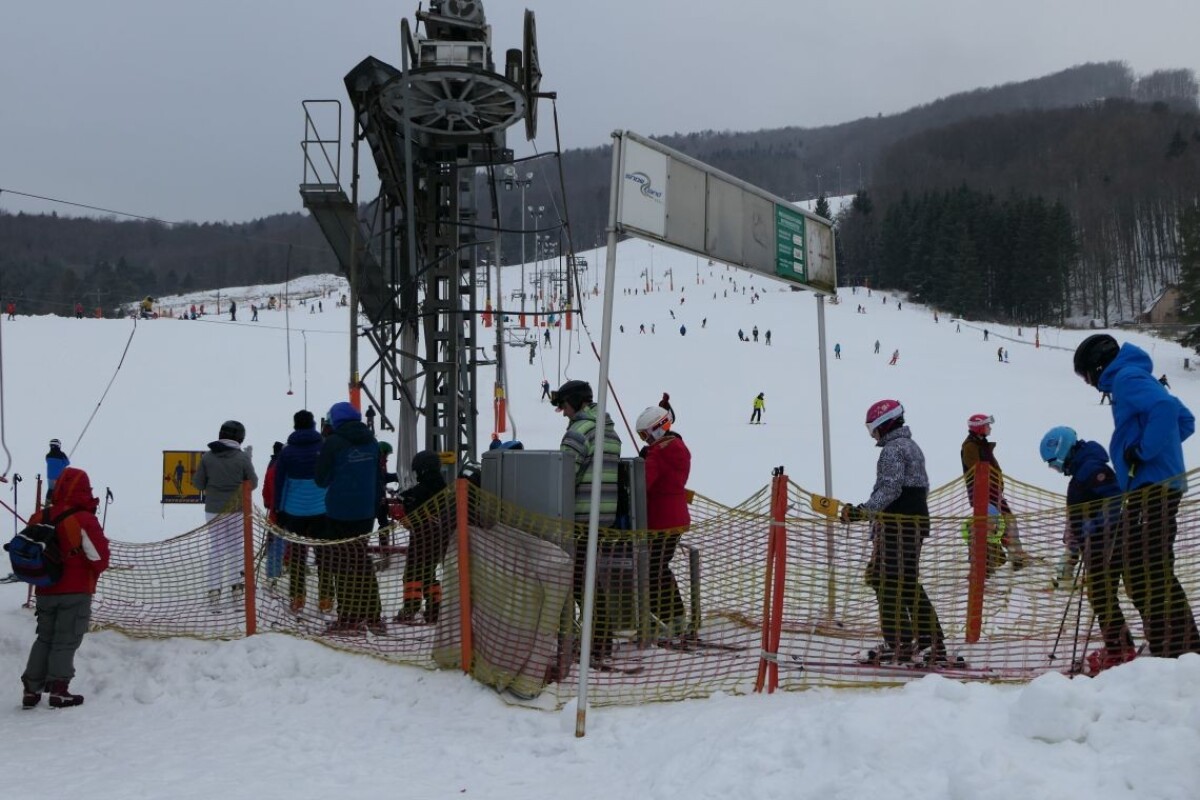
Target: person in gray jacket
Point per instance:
(220, 475)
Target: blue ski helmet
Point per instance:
(1056, 447)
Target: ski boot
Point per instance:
(61, 697)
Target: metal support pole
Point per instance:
(498, 400)
(406, 447)
(589, 580)
(827, 453)
(354, 378)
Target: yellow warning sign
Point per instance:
(178, 468)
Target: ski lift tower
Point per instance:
(431, 125)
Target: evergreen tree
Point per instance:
(822, 208)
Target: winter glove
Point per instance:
(1132, 459)
(851, 513)
(642, 453)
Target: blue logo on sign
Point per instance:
(644, 185)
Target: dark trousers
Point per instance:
(1102, 578)
(427, 543)
(756, 416)
(312, 527)
(62, 620)
(601, 628)
(355, 587)
(1148, 558)
(906, 615)
(665, 601)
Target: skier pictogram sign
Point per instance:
(178, 468)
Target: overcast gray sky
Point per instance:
(191, 110)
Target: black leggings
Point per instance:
(906, 615)
(1148, 558)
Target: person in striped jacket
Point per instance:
(574, 400)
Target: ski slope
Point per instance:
(272, 716)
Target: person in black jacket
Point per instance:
(350, 471)
(429, 527)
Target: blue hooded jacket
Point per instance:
(296, 491)
(1091, 480)
(1147, 416)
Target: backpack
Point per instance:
(35, 553)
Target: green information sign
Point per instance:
(790, 250)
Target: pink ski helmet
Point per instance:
(883, 416)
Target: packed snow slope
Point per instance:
(273, 716)
(180, 379)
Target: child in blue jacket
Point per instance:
(1093, 527)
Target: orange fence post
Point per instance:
(464, 571)
(773, 583)
(978, 551)
(248, 558)
(778, 517)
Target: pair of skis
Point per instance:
(958, 668)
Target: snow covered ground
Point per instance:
(272, 716)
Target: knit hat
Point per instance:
(343, 412)
(303, 420)
(232, 429)
(55, 443)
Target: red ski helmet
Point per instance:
(883, 416)
(980, 424)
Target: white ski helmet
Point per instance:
(653, 423)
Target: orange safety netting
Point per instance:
(753, 609)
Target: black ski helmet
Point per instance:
(1093, 355)
(426, 461)
(232, 429)
(577, 393)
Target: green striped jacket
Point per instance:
(580, 440)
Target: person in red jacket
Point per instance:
(276, 545)
(64, 609)
(668, 464)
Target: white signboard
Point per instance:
(643, 196)
(666, 196)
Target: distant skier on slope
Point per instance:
(760, 405)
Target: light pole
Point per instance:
(511, 181)
(536, 213)
(839, 170)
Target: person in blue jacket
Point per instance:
(351, 472)
(56, 462)
(300, 504)
(1150, 426)
(1093, 525)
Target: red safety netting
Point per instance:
(740, 609)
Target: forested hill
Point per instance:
(791, 162)
(49, 262)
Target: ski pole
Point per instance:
(108, 498)
(1066, 610)
(16, 499)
